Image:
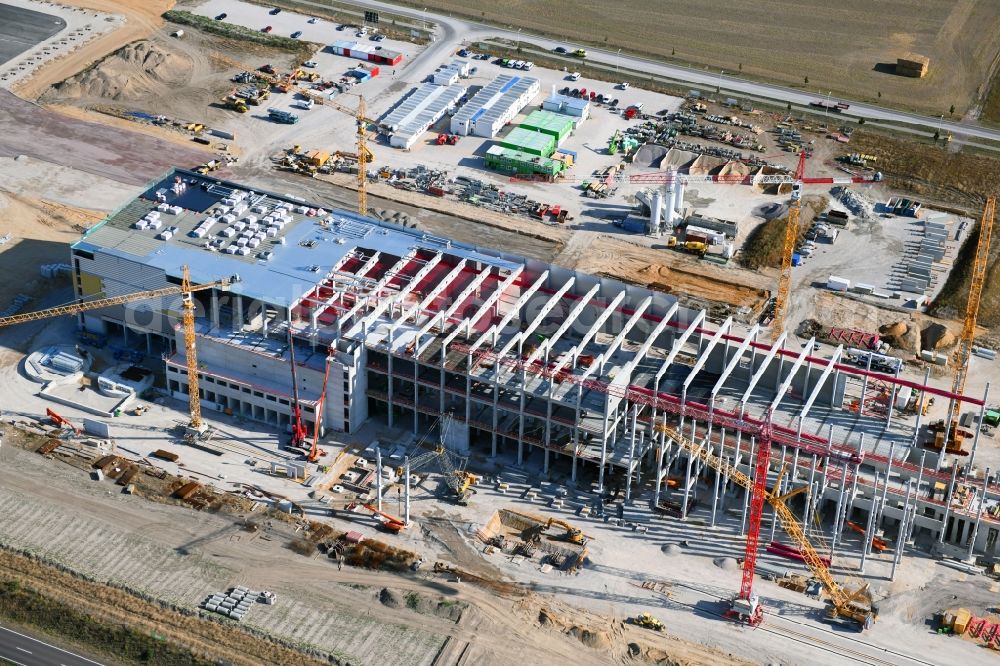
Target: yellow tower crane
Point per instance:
(788, 249)
(186, 289)
(963, 350)
(362, 158)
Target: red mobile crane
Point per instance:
(314, 452)
(299, 432)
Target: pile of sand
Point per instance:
(139, 70)
(901, 335)
(594, 638)
(936, 336)
(727, 563)
(649, 155)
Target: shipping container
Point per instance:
(835, 283)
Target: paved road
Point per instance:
(20, 29)
(28, 651)
(452, 30)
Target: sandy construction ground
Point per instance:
(173, 553)
(142, 18)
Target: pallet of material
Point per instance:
(131, 471)
(164, 455)
(49, 446)
(187, 490)
(104, 463)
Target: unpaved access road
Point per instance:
(127, 157)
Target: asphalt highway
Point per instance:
(453, 31)
(24, 650)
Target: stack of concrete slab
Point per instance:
(919, 267)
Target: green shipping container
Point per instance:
(556, 125)
(513, 161)
(529, 141)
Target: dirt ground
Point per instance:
(26, 129)
(847, 47)
(179, 555)
(142, 18)
(672, 273)
(40, 233)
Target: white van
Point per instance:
(575, 76)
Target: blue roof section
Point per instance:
(307, 256)
(510, 84)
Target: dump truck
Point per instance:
(237, 104)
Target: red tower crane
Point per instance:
(747, 606)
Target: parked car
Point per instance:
(378, 38)
(560, 49)
(575, 76)
(310, 63)
(528, 65)
(564, 91)
(296, 34)
(275, 11)
(267, 28)
(614, 102)
(361, 33)
(221, 16)
(623, 85)
(483, 56)
(314, 20)
(341, 27)
(464, 53)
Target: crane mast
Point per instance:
(963, 350)
(788, 249)
(196, 426)
(362, 158)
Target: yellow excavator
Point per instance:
(572, 534)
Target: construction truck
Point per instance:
(208, 167)
(285, 117)
(647, 621)
(696, 247)
(237, 104)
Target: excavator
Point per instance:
(61, 421)
(534, 534)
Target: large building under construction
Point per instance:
(538, 364)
